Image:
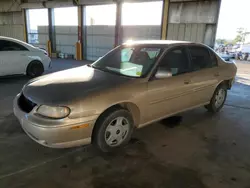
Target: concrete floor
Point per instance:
(202, 151)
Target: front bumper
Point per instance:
(47, 63)
(63, 135)
(231, 83)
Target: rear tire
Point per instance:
(113, 129)
(34, 69)
(218, 99)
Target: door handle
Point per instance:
(23, 54)
(186, 82)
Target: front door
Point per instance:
(173, 94)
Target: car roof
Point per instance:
(155, 42)
(9, 38)
(162, 43)
(16, 40)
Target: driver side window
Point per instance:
(138, 61)
(126, 54)
(176, 61)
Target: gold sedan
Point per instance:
(132, 86)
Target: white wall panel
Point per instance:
(66, 30)
(100, 40)
(43, 29)
(14, 31)
(43, 38)
(141, 32)
(66, 38)
(11, 18)
(11, 25)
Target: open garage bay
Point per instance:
(196, 149)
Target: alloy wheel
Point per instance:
(220, 98)
(117, 131)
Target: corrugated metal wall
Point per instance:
(193, 21)
(142, 32)
(140, 26)
(66, 38)
(43, 37)
(100, 39)
(11, 25)
(186, 32)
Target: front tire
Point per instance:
(35, 69)
(113, 130)
(218, 99)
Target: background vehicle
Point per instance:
(226, 57)
(17, 57)
(130, 87)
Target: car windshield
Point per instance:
(131, 61)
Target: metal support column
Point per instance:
(52, 31)
(25, 34)
(118, 27)
(164, 23)
(217, 22)
(80, 39)
(84, 33)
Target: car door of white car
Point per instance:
(13, 58)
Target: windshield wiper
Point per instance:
(99, 68)
(111, 72)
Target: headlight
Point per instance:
(53, 112)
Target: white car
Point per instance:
(18, 57)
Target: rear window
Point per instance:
(176, 61)
(213, 58)
(6, 45)
(201, 58)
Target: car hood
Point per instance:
(70, 85)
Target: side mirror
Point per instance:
(163, 73)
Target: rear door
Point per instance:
(13, 57)
(167, 96)
(205, 75)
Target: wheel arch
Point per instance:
(131, 107)
(227, 83)
(32, 61)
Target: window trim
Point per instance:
(154, 69)
(162, 50)
(212, 52)
(190, 57)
